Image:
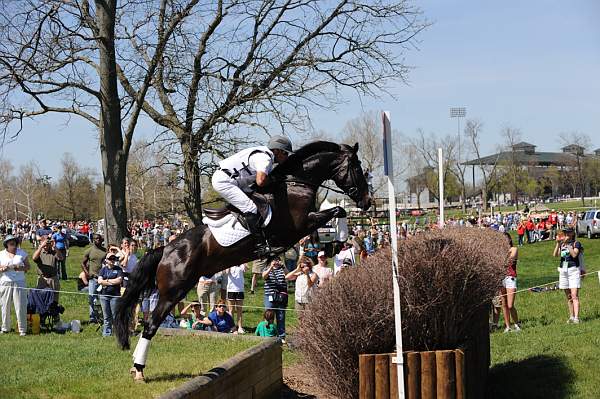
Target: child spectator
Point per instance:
(267, 328)
(195, 319)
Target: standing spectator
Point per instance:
(258, 267)
(509, 288)
(93, 258)
(43, 230)
(128, 258)
(267, 328)
(207, 292)
(311, 249)
(291, 257)
(222, 279)
(569, 274)
(529, 228)
(346, 254)
(276, 293)
(322, 270)
(521, 232)
(110, 278)
(47, 265)
(13, 265)
(61, 245)
(358, 242)
(569, 220)
(553, 219)
(220, 320)
(306, 282)
(235, 293)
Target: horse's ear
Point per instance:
(355, 149)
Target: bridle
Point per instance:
(346, 165)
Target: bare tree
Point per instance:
(473, 129)
(28, 186)
(63, 56)
(427, 148)
(74, 193)
(7, 197)
(511, 166)
(239, 68)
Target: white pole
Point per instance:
(389, 172)
(441, 182)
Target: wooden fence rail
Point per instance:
(444, 374)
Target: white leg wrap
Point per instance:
(141, 351)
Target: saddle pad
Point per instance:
(228, 230)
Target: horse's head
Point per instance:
(349, 176)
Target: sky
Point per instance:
(532, 65)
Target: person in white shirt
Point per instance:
(306, 282)
(240, 171)
(13, 265)
(347, 253)
(235, 293)
(321, 268)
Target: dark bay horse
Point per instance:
(176, 268)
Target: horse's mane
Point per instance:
(295, 160)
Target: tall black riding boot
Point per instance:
(253, 223)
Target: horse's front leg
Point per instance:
(320, 219)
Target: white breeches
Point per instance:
(228, 189)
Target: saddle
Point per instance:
(262, 201)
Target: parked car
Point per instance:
(588, 224)
(77, 239)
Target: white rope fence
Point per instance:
(263, 307)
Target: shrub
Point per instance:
(445, 278)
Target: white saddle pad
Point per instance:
(227, 230)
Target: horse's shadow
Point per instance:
(212, 374)
(543, 376)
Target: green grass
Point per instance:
(88, 365)
(549, 358)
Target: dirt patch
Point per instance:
(298, 383)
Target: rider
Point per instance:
(237, 173)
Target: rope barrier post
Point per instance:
(388, 166)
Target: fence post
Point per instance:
(382, 376)
(413, 375)
(428, 385)
(445, 374)
(394, 375)
(366, 376)
(459, 366)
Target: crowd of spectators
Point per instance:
(306, 267)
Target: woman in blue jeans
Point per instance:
(110, 278)
(276, 293)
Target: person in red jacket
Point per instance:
(529, 227)
(521, 232)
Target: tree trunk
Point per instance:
(484, 200)
(192, 191)
(114, 160)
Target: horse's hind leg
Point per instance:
(162, 309)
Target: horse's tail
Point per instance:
(142, 279)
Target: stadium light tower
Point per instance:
(458, 112)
